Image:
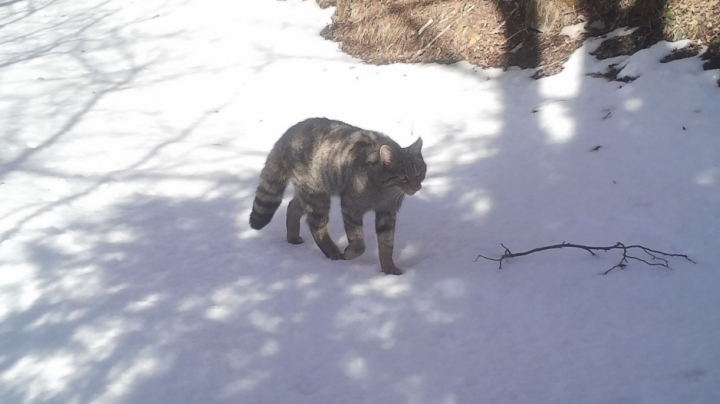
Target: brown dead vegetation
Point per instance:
(502, 33)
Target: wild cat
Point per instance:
(325, 158)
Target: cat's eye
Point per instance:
(401, 178)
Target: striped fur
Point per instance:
(269, 194)
(325, 158)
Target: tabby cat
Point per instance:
(366, 169)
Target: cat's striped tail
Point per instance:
(269, 195)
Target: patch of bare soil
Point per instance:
(625, 45)
(689, 51)
(503, 33)
(613, 74)
(712, 57)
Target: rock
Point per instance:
(597, 25)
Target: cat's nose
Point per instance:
(413, 189)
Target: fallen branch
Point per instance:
(427, 24)
(421, 51)
(653, 257)
(496, 30)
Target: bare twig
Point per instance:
(513, 35)
(656, 258)
(557, 62)
(420, 52)
(496, 30)
(427, 24)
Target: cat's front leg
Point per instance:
(385, 229)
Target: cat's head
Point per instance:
(403, 168)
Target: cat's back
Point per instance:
(322, 138)
(320, 130)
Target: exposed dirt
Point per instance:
(712, 57)
(689, 51)
(524, 33)
(624, 45)
(613, 74)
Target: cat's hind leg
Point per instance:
(317, 208)
(294, 214)
(353, 221)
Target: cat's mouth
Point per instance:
(411, 191)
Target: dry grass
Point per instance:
(692, 19)
(483, 32)
(501, 33)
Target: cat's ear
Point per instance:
(387, 155)
(416, 147)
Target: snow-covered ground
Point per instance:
(132, 136)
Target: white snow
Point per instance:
(133, 133)
(573, 31)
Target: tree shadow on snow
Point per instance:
(172, 290)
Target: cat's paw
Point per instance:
(354, 250)
(295, 240)
(393, 270)
(334, 254)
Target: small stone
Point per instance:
(597, 25)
